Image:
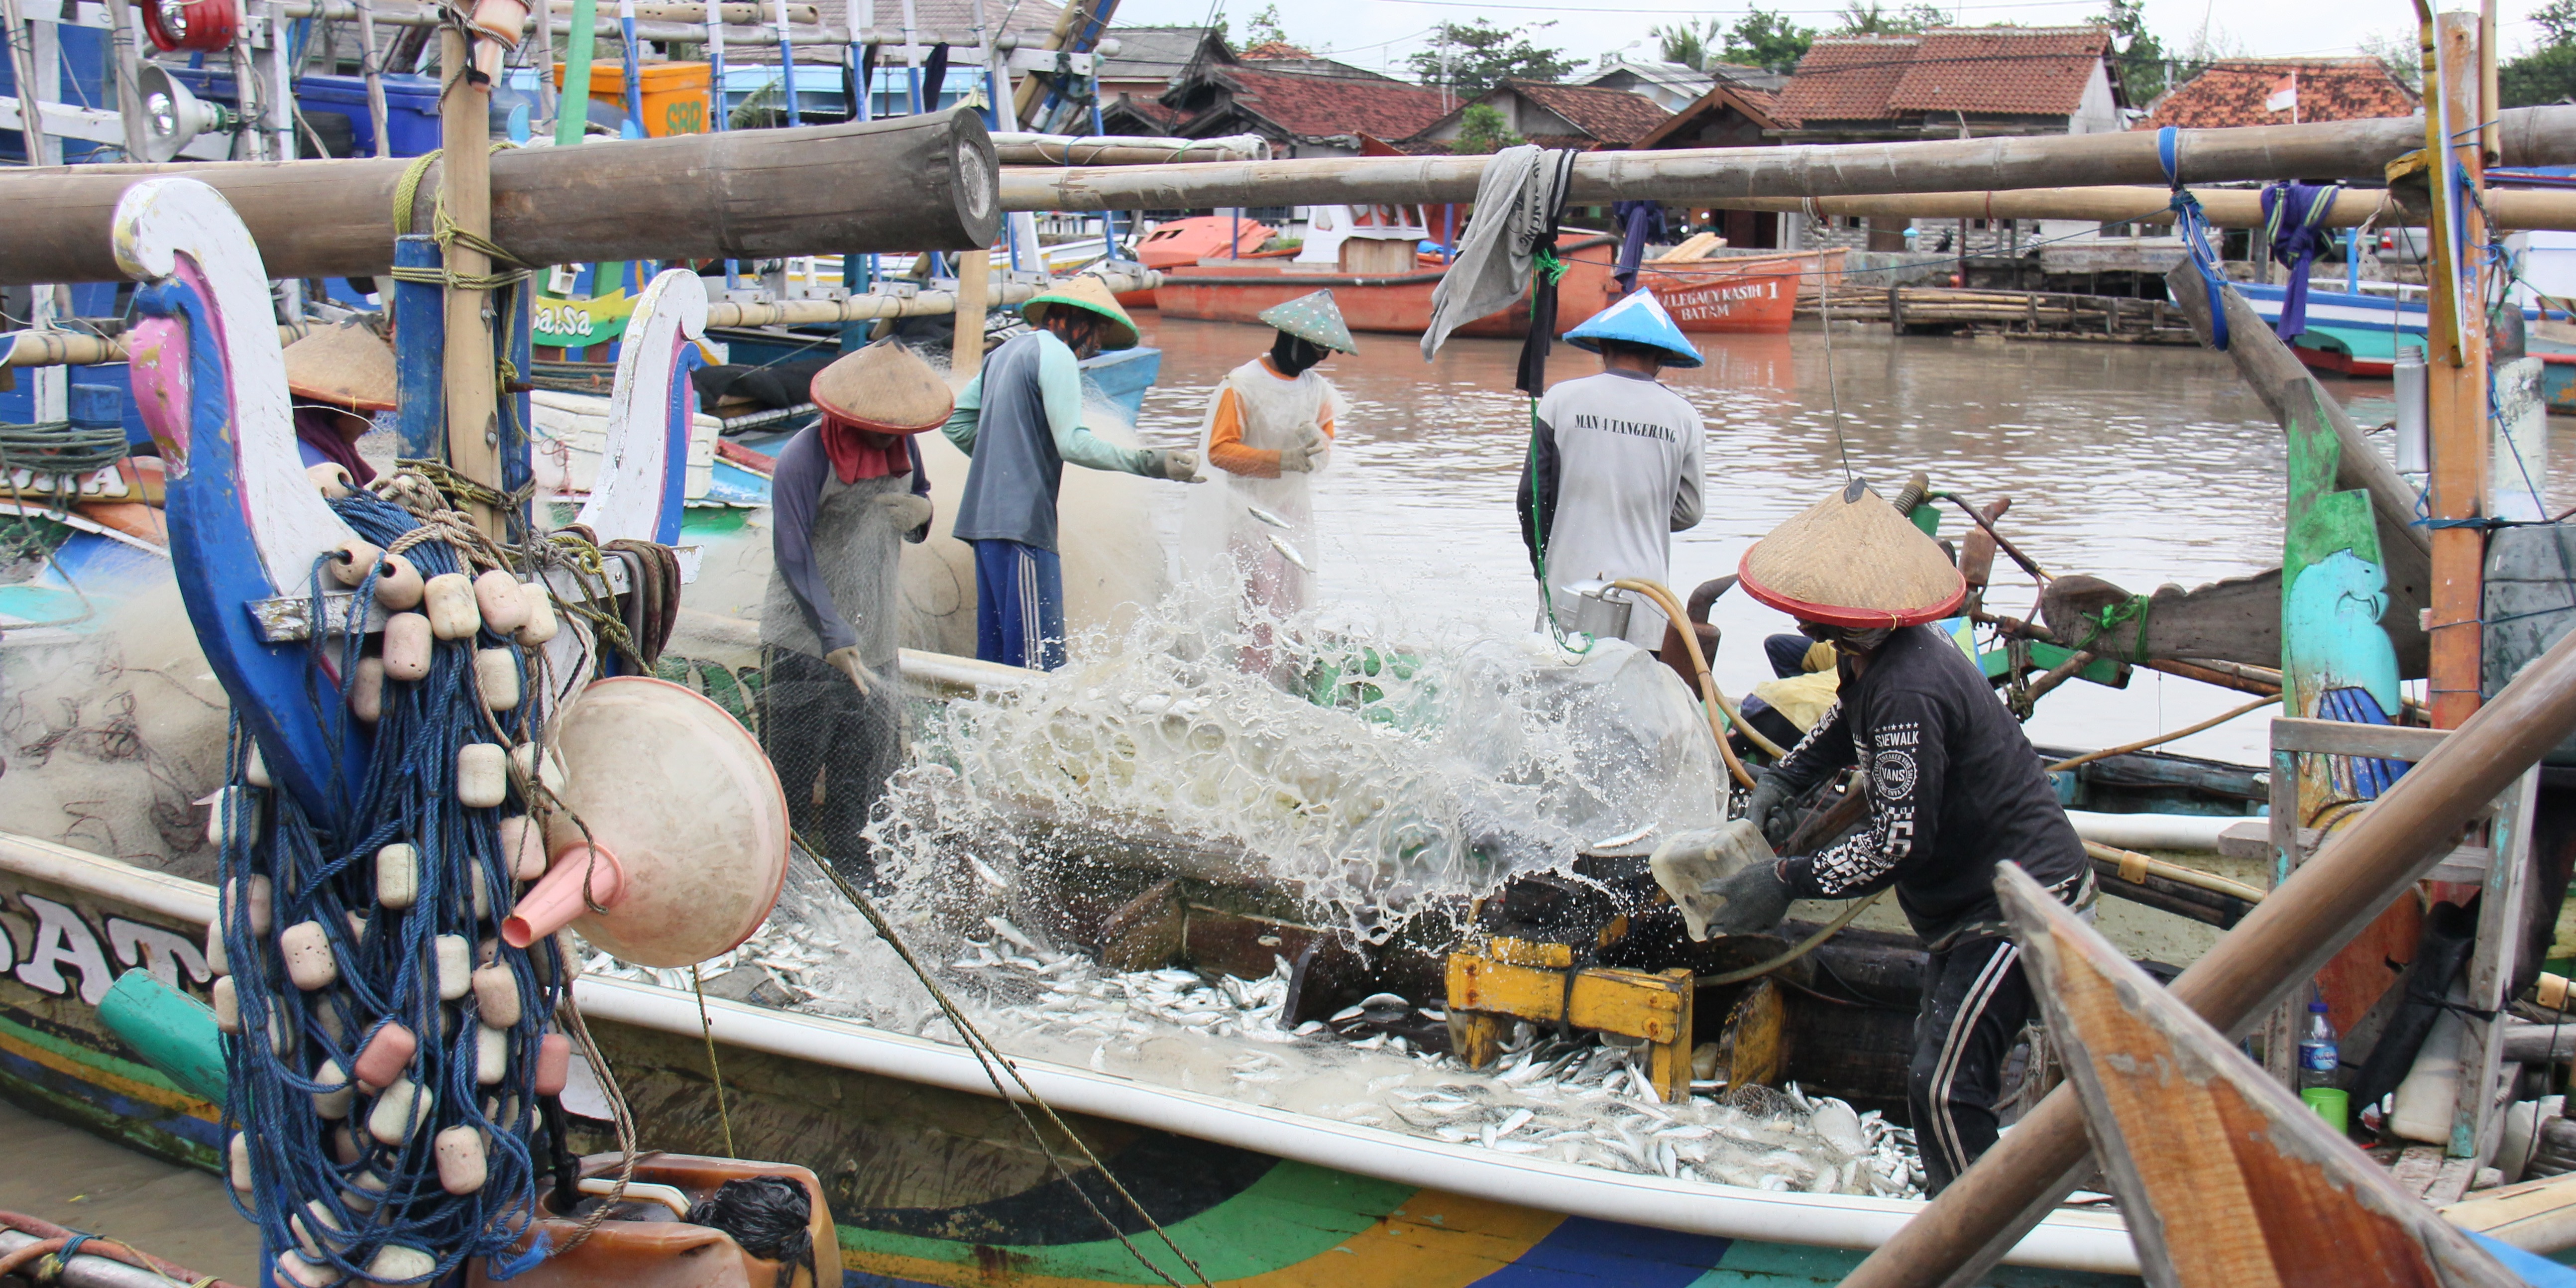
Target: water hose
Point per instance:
(2161, 739)
(1717, 703)
(1805, 946)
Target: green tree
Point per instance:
(1871, 18)
(2397, 50)
(2137, 53)
(1688, 42)
(1766, 40)
(1477, 54)
(1265, 28)
(1481, 130)
(2547, 72)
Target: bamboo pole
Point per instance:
(465, 194)
(79, 349)
(121, 35)
(2355, 149)
(1067, 21)
(2371, 862)
(2226, 207)
(2457, 390)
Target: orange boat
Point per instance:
(1187, 241)
(1740, 295)
(1238, 290)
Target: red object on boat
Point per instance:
(1399, 303)
(1187, 241)
(1741, 294)
(199, 26)
(760, 463)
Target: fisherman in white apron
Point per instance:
(846, 492)
(1614, 464)
(337, 378)
(1954, 789)
(1269, 428)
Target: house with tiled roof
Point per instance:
(1581, 117)
(1670, 85)
(1304, 113)
(1954, 82)
(1731, 114)
(2283, 91)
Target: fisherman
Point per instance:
(1614, 464)
(846, 489)
(337, 376)
(1270, 427)
(1954, 789)
(1020, 420)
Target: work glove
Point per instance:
(846, 661)
(1749, 902)
(1295, 460)
(1764, 805)
(910, 512)
(1177, 464)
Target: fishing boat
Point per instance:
(1391, 302)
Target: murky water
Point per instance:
(2140, 465)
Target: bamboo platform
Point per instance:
(2017, 314)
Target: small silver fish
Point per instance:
(1267, 517)
(1010, 932)
(1289, 552)
(989, 876)
(1631, 838)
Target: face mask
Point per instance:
(1292, 355)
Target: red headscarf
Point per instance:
(859, 453)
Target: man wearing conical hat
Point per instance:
(1613, 468)
(1020, 421)
(846, 492)
(1269, 427)
(1954, 789)
(336, 377)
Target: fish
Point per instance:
(1010, 932)
(986, 874)
(1349, 1013)
(1289, 552)
(1267, 517)
(1519, 1119)
(1630, 838)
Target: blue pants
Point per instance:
(1019, 605)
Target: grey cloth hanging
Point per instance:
(1517, 202)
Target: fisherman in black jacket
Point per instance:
(1954, 789)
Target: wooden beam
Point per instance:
(2226, 207)
(2354, 149)
(465, 196)
(1637, 1004)
(909, 183)
(2456, 390)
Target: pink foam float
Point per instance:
(686, 845)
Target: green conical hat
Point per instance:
(1089, 293)
(1313, 318)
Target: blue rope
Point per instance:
(387, 975)
(2193, 225)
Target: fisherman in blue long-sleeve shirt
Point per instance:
(1020, 420)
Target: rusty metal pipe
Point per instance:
(2278, 947)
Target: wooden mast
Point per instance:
(2225, 207)
(2457, 389)
(465, 198)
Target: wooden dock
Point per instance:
(2017, 314)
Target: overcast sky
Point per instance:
(1378, 33)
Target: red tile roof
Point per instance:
(2002, 71)
(1611, 118)
(1761, 107)
(1318, 107)
(1848, 78)
(1275, 49)
(2232, 92)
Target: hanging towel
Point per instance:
(2291, 213)
(1640, 221)
(1517, 202)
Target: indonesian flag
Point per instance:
(2285, 95)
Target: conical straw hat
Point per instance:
(1852, 560)
(1638, 319)
(1313, 318)
(884, 387)
(1085, 292)
(345, 365)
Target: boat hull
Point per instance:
(930, 1176)
(1392, 303)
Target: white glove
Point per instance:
(1177, 464)
(1299, 459)
(908, 510)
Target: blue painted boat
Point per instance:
(2349, 333)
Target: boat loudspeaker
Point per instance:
(672, 844)
(172, 116)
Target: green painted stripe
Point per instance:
(93, 1057)
(143, 1137)
(1784, 1265)
(1293, 1214)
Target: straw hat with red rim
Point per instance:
(884, 388)
(345, 366)
(1852, 560)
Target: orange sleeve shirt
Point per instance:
(1225, 437)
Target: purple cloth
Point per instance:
(317, 433)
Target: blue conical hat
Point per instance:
(1313, 318)
(1638, 319)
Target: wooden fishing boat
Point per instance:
(1183, 242)
(1397, 303)
(1723, 299)
(929, 1174)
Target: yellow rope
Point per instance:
(707, 1030)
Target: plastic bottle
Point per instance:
(2318, 1055)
